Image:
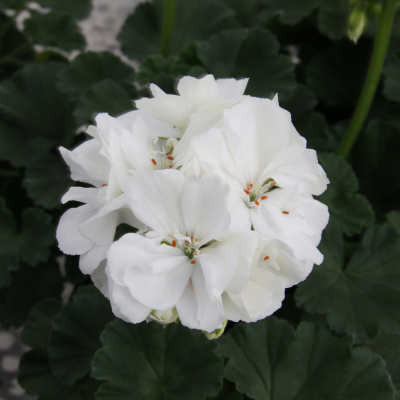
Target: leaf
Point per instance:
(90, 68)
(364, 297)
(388, 347)
(146, 361)
(332, 18)
(337, 75)
(194, 20)
(269, 361)
(34, 116)
(375, 161)
(36, 378)
(352, 210)
(391, 72)
(30, 286)
(228, 392)
(290, 12)
(53, 29)
(249, 53)
(249, 13)
(31, 245)
(36, 332)
(76, 335)
(393, 219)
(46, 180)
(37, 235)
(77, 8)
(106, 96)
(310, 124)
(8, 244)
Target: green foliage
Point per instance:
(76, 335)
(52, 29)
(34, 115)
(269, 360)
(360, 296)
(392, 73)
(227, 54)
(195, 20)
(77, 8)
(350, 209)
(138, 361)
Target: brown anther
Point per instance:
(266, 258)
(246, 191)
(170, 158)
(257, 202)
(264, 198)
(192, 262)
(273, 184)
(171, 166)
(250, 185)
(174, 126)
(168, 153)
(174, 243)
(154, 161)
(285, 212)
(104, 184)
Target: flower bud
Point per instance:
(163, 316)
(356, 24)
(217, 333)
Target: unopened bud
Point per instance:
(357, 22)
(163, 316)
(217, 333)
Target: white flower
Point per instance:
(262, 157)
(204, 96)
(183, 266)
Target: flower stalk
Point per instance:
(168, 26)
(379, 51)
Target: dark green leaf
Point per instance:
(106, 96)
(76, 335)
(37, 329)
(46, 180)
(332, 18)
(33, 114)
(365, 296)
(30, 286)
(388, 347)
(36, 236)
(53, 29)
(268, 361)
(10, 4)
(249, 53)
(77, 8)
(375, 159)
(194, 20)
(228, 392)
(337, 75)
(352, 210)
(90, 68)
(391, 72)
(393, 219)
(8, 244)
(249, 13)
(310, 124)
(291, 12)
(36, 378)
(147, 361)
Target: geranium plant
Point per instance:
(220, 223)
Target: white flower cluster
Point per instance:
(219, 186)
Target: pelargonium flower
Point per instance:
(186, 261)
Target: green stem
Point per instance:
(168, 26)
(379, 51)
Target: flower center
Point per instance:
(190, 246)
(258, 194)
(163, 159)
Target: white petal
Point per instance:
(196, 309)
(156, 91)
(154, 198)
(204, 207)
(169, 108)
(230, 90)
(91, 196)
(89, 261)
(68, 235)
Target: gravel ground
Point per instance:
(100, 30)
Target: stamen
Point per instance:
(174, 126)
(168, 154)
(264, 198)
(247, 191)
(273, 184)
(104, 184)
(266, 258)
(154, 161)
(170, 158)
(192, 262)
(285, 212)
(171, 166)
(174, 243)
(250, 185)
(257, 202)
